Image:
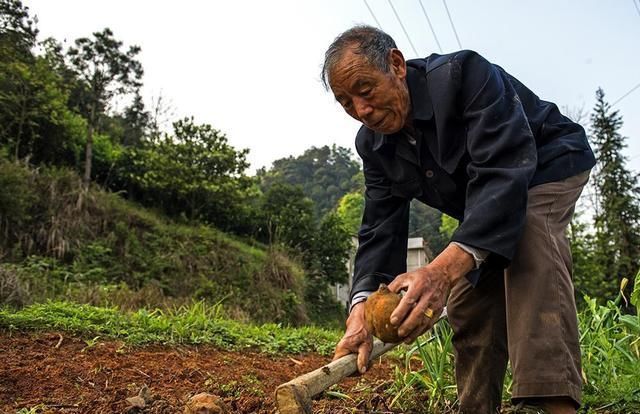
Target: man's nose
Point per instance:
(362, 107)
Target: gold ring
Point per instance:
(428, 313)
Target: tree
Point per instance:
(325, 266)
(35, 121)
(105, 71)
(18, 31)
(322, 246)
(192, 172)
(136, 121)
(288, 218)
(587, 274)
(350, 210)
(325, 174)
(617, 217)
(448, 226)
(331, 249)
(17, 37)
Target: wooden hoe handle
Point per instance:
(294, 397)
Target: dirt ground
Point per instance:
(72, 375)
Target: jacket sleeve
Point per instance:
(382, 248)
(503, 161)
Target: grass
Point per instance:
(611, 355)
(198, 323)
(433, 378)
(610, 342)
(610, 345)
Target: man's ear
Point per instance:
(397, 63)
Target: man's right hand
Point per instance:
(356, 339)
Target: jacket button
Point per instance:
(429, 173)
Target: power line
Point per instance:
(373, 15)
(431, 26)
(403, 29)
(626, 94)
(453, 26)
(638, 85)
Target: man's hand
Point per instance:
(356, 339)
(427, 290)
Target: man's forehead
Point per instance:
(350, 57)
(353, 68)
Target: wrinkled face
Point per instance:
(379, 100)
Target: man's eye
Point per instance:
(366, 92)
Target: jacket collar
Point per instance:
(421, 107)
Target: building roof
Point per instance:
(415, 243)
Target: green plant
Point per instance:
(434, 375)
(198, 323)
(610, 340)
(37, 409)
(610, 358)
(99, 249)
(90, 343)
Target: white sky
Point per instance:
(251, 68)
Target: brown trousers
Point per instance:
(526, 314)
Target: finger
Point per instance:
(404, 308)
(421, 329)
(399, 283)
(340, 352)
(346, 346)
(413, 336)
(364, 350)
(415, 318)
(425, 325)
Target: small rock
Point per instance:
(204, 403)
(136, 402)
(141, 400)
(145, 394)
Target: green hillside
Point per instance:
(57, 242)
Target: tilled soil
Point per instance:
(70, 375)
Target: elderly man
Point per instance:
(464, 136)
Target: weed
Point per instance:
(610, 357)
(40, 408)
(230, 389)
(90, 343)
(198, 323)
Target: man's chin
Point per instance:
(386, 131)
(383, 128)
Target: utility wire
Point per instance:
(626, 94)
(453, 26)
(403, 29)
(431, 26)
(638, 85)
(374, 16)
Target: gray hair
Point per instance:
(368, 41)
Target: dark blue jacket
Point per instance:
(483, 139)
